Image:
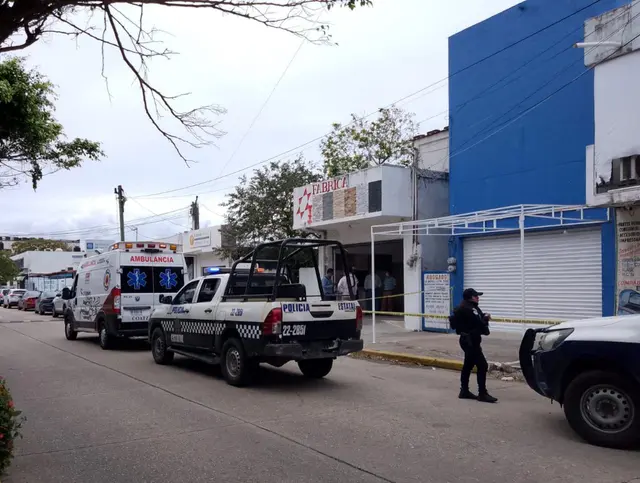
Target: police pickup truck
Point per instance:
(241, 317)
(592, 368)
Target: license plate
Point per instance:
(294, 330)
(139, 318)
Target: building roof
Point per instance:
(431, 133)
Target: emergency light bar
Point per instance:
(143, 245)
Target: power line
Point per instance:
(556, 75)
(106, 228)
(539, 103)
(513, 44)
(481, 94)
(154, 213)
(264, 104)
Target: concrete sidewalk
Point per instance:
(392, 337)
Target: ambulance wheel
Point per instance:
(105, 339)
(315, 368)
(237, 368)
(604, 409)
(69, 333)
(159, 350)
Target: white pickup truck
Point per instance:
(240, 317)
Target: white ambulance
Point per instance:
(114, 293)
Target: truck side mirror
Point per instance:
(166, 299)
(66, 293)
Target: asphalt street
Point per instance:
(98, 416)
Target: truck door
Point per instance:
(180, 311)
(203, 315)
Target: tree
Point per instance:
(24, 22)
(261, 208)
(38, 245)
(362, 144)
(31, 140)
(8, 269)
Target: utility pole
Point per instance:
(195, 215)
(121, 200)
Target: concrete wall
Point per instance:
(431, 251)
(496, 158)
(433, 150)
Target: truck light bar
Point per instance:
(152, 245)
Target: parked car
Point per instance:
(59, 305)
(13, 297)
(28, 300)
(44, 303)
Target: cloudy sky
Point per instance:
(384, 53)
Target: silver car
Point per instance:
(13, 297)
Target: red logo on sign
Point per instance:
(304, 205)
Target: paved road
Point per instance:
(97, 416)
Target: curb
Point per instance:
(451, 364)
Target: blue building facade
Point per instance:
(521, 116)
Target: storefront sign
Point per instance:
(330, 185)
(199, 239)
(628, 279)
(436, 300)
(303, 198)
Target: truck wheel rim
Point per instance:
(233, 362)
(67, 328)
(607, 409)
(103, 336)
(158, 347)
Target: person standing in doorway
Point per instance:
(327, 285)
(343, 286)
(388, 286)
(368, 292)
(470, 323)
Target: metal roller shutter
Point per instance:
(563, 274)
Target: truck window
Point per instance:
(187, 293)
(167, 279)
(136, 280)
(208, 290)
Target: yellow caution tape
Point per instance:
(446, 317)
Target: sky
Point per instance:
(383, 53)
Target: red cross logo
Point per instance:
(304, 205)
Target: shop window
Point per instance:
(375, 196)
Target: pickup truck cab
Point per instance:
(243, 316)
(592, 368)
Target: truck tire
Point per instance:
(315, 368)
(69, 332)
(603, 408)
(105, 339)
(237, 369)
(161, 355)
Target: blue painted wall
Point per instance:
(498, 159)
(503, 153)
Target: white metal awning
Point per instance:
(498, 220)
(509, 219)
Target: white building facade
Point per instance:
(613, 161)
(345, 209)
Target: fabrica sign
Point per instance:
(330, 185)
(302, 198)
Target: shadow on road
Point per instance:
(268, 378)
(129, 345)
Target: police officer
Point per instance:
(470, 323)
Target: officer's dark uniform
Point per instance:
(471, 324)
